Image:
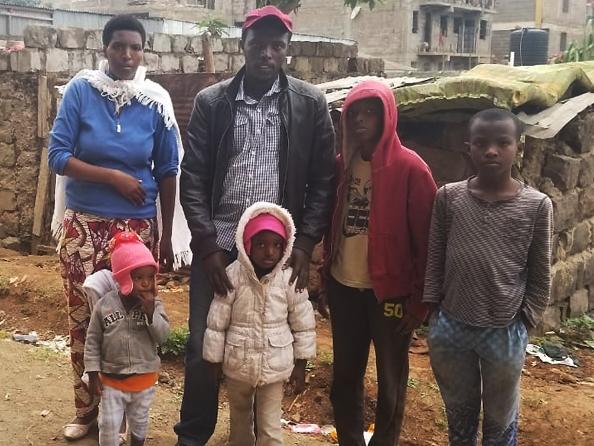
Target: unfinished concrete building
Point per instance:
(425, 34)
(230, 11)
(564, 19)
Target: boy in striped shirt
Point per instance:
(488, 281)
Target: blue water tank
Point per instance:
(530, 46)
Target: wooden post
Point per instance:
(209, 65)
(40, 201)
(43, 107)
(43, 111)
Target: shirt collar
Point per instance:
(242, 96)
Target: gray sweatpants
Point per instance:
(114, 404)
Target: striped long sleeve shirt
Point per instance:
(487, 262)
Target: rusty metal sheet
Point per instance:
(183, 88)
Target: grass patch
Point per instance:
(326, 358)
(175, 345)
(412, 383)
(4, 286)
(441, 422)
(45, 354)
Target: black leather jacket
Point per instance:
(306, 165)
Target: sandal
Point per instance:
(74, 431)
(123, 436)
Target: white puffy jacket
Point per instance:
(260, 328)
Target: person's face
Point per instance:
(265, 49)
(493, 146)
(267, 249)
(365, 124)
(143, 279)
(124, 54)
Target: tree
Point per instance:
(288, 6)
(579, 51)
(213, 29)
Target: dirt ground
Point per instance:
(36, 400)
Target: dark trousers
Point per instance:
(357, 320)
(199, 409)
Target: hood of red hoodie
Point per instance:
(389, 144)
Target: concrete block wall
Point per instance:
(67, 51)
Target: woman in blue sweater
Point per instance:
(116, 147)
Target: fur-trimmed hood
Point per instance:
(253, 211)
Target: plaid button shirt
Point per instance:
(253, 173)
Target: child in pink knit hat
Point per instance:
(263, 332)
(125, 373)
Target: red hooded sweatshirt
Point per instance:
(400, 208)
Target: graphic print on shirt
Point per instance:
(356, 220)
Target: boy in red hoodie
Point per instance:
(375, 262)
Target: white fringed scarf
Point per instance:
(149, 94)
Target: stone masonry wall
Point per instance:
(60, 53)
(69, 50)
(20, 152)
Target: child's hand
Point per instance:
(215, 369)
(147, 300)
(297, 379)
(95, 384)
(408, 324)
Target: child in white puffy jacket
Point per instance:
(262, 332)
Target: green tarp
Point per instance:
(533, 88)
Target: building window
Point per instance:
(563, 42)
(443, 25)
(415, 24)
(483, 30)
(457, 24)
(565, 5)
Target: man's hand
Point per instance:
(299, 261)
(215, 370)
(129, 187)
(95, 384)
(165, 254)
(408, 324)
(297, 379)
(215, 267)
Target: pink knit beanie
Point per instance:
(262, 222)
(128, 252)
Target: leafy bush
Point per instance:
(175, 345)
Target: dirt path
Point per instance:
(35, 401)
(557, 402)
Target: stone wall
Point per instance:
(20, 153)
(56, 54)
(563, 168)
(67, 51)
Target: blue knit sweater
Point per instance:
(135, 141)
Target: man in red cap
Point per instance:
(261, 136)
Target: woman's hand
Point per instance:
(165, 255)
(129, 187)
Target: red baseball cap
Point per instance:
(256, 15)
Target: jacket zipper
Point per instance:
(287, 151)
